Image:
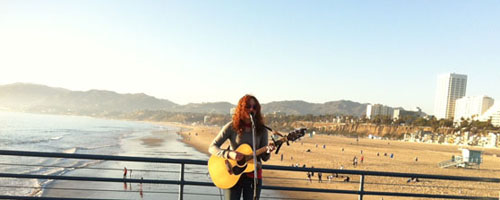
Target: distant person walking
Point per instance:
(320, 175)
(125, 172)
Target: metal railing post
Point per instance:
(181, 185)
(361, 187)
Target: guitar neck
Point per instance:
(259, 152)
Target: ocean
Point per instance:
(86, 135)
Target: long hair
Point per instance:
(240, 113)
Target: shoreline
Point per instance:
(155, 143)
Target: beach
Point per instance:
(334, 152)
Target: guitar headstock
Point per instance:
(296, 134)
(292, 136)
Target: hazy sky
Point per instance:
(387, 52)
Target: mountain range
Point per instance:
(28, 97)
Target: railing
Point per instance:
(181, 182)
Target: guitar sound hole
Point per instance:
(241, 162)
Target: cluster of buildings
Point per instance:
(491, 140)
(450, 102)
(395, 113)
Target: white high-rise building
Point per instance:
(450, 87)
(378, 109)
(472, 107)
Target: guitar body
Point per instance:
(218, 168)
(225, 173)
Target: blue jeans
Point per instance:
(245, 185)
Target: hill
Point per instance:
(342, 107)
(27, 97)
(40, 98)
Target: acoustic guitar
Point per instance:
(225, 173)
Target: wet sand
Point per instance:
(339, 152)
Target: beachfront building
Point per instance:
(378, 109)
(493, 113)
(449, 88)
(471, 107)
(490, 140)
(399, 112)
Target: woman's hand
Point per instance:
(270, 147)
(235, 155)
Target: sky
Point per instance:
(388, 51)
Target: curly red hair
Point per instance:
(240, 113)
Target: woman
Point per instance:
(239, 131)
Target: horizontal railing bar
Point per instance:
(441, 196)
(99, 168)
(357, 192)
(104, 190)
(382, 183)
(378, 173)
(144, 191)
(47, 198)
(102, 157)
(118, 180)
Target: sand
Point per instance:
(339, 151)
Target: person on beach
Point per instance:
(239, 131)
